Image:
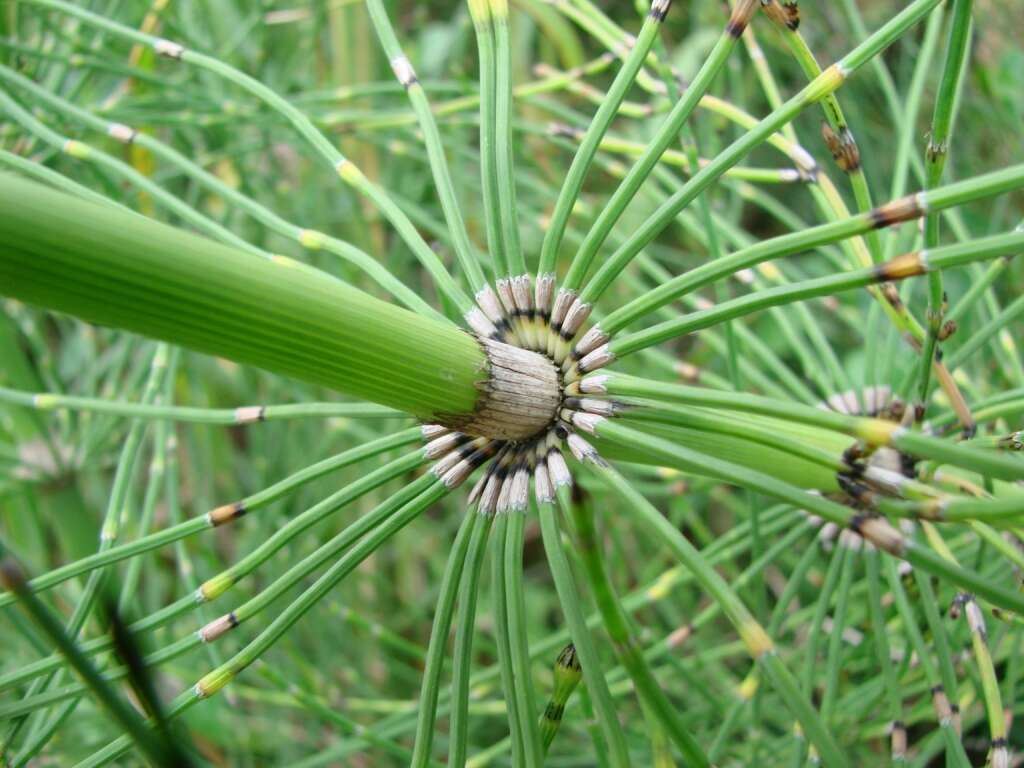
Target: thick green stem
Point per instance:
(114, 268)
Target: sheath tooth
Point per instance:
(503, 496)
(594, 385)
(508, 301)
(480, 323)
(478, 488)
(520, 492)
(404, 71)
(543, 489)
(582, 450)
(591, 340)
(588, 422)
(558, 469)
(544, 291)
(488, 301)
(432, 431)
(439, 446)
(575, 318)
(563, 301)
(169, 49)
(599, 358)
(599, 407)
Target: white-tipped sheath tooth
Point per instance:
(504, 494)
(441, 445)
(450, 459)
(885, 479)
(882, 534)
(523, 298)
(250, 414)
(599, 358)
(168, 48)
(489, 497)
(404, 71)
(521, 292)
(849, 540)
(520, 494)
(827, 534)
(478, 488)
(575, 317)
(542, 487)
(455, 476)
(544, 291)
(563, 301)
(488, 301)
(218, 627)
(898, 740)
(804, 160)
(591, 340)
(432, 431)
(558, 469)
(687, 371)
(975, 619)
(659, 9)
(508, 301)
(588, 422)
(480, 324)
(594, 385)
(940, 702)
(582, 450)
(445, 463)
(599, 407)
(121, 132)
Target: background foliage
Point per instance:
(342, 686)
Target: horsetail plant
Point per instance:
(740, 440)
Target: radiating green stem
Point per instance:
(826, 83)
(462, 653)
(935, 162)
(515, 600)
(484, 30)
(588, 147)
(667, 134)
(503, 138)
(616, 623)
(933, 200)
(439, 166)
(502, 639)
(440, 629)
(945, 257)
(757, 642)
(593, 674)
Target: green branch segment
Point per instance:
(115, 268)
